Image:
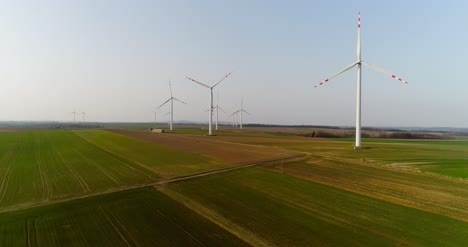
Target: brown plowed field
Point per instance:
(212, 147)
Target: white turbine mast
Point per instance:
(239, 112)
(155, 116)
(210, 118)
(359, 62)
(169, 120)
(217, 107)
(83, 115)
(171, 99)
(74, 115)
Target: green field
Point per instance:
(163, 161)
(447, 158)
(286, 211)
(99, 188)
(141, 217)
(43, 166)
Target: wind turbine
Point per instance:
(210, 119)
(217, 107)
(171, 99)
(240, 111)
(74, 116)
(359, 62)
(83, 115)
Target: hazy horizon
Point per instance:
(113, 60)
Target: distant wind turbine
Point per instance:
(171, 99)
(155, 116)
(83, 115)
(239, 112)
(210, 119)
(359, 62)
(74, 116)
(217, 107)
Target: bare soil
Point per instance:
(213, 147)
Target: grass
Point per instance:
(49, 165)
(375, 196)
(163, 161)
(287, 211)
(42, 166)
(141, 217)
(446, 158)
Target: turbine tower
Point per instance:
(74, 116)
(169, 120)
(210, 118)
(217, 107)
(83, 115)
(359, 62)
(239, 112)
(171, 99)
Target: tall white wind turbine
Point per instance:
(358, 63)
(171, 99)
(74, 116)
(210, 118)
(83, 115)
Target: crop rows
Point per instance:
(142, 217)
(286, 211)
(47, 165)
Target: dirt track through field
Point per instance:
(212, 147)
(159, 183)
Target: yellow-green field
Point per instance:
(103, 188)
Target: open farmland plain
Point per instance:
(136, 188)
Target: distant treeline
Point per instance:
(374, 134)
(50, 125)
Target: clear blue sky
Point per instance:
(112, 59)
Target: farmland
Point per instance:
(282, 210)
(115, 187)
(43, 166)
(133, 218)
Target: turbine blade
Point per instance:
(232, 114)
(219, 107)
(226, 76)
(247, 112)
(170, 87)
(179, 100)
(200, 83)
(165, 102)
(337, 74)
(384, 72)
(359, 38)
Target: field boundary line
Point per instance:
(109, 154)
(152, 184)
(217, 219)
(384, 198)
